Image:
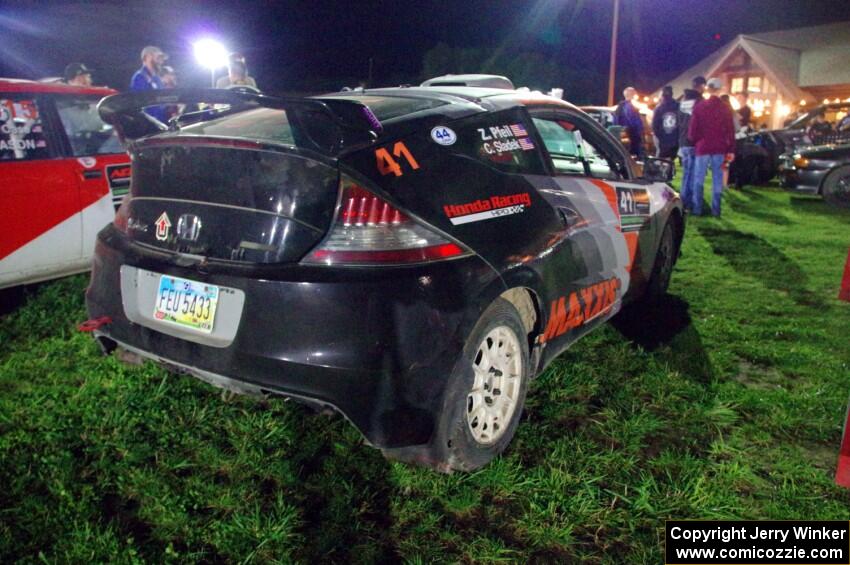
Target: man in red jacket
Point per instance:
(712, 132)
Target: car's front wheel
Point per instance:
(836, 187)
(484, 396)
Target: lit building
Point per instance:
(782, 71)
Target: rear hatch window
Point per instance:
(311, 130)
(227, 202)
(389, 107)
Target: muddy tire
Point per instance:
(484, 396)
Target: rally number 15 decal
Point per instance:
(386, 163)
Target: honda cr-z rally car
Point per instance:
(410, 257)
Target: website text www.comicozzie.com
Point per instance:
(757, 542)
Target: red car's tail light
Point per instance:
(370, 231)
(122, 215)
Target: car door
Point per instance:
(100, 165)
(39, 194)
(605, 210)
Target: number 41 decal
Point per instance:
(386, 163)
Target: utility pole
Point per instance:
(613, 66)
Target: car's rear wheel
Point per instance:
(836, 187)
(662, 270)
(484, 396)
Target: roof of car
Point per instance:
(22, 85)
(464, 93)
(598, 108)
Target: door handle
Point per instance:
(90, 175)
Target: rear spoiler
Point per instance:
(125, 112)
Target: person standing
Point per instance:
(736, 125)
(819, 129)
(168, 76)
(237, 74)
(713, 135)
(745, 113)
(148, 78)
(627, 116)
(665, 124)
(77, 74)
(690, 99)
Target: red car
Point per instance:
(62, 174)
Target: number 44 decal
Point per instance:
(386, 163)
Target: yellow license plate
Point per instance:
(186, 303)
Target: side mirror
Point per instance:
(655, 169)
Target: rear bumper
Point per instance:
(377, 346)
(802, 180)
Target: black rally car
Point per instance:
(410, 257)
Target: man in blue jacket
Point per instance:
(628, 116)
(147, 78)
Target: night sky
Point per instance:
(315, 46)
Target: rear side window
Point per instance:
(88, 134)
(571, 151)
(504, 140)
(22, 130)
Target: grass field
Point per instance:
(726, 403)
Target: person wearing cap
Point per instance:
(77, 74)
(147, 77)
(237, 73)
(712, 132)
(168, 76)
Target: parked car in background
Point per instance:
(479, 80)
(62, 174)
(410, 257)
(796, 135)
(823, 170)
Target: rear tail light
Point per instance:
(369, 230)
(122, 215)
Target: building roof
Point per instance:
(792, 59)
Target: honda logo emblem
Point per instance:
(188, 227)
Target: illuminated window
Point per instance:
(754, 84)
(737, 85)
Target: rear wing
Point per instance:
(354, 123)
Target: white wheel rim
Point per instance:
(491, 402)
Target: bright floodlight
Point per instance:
(210, 54)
